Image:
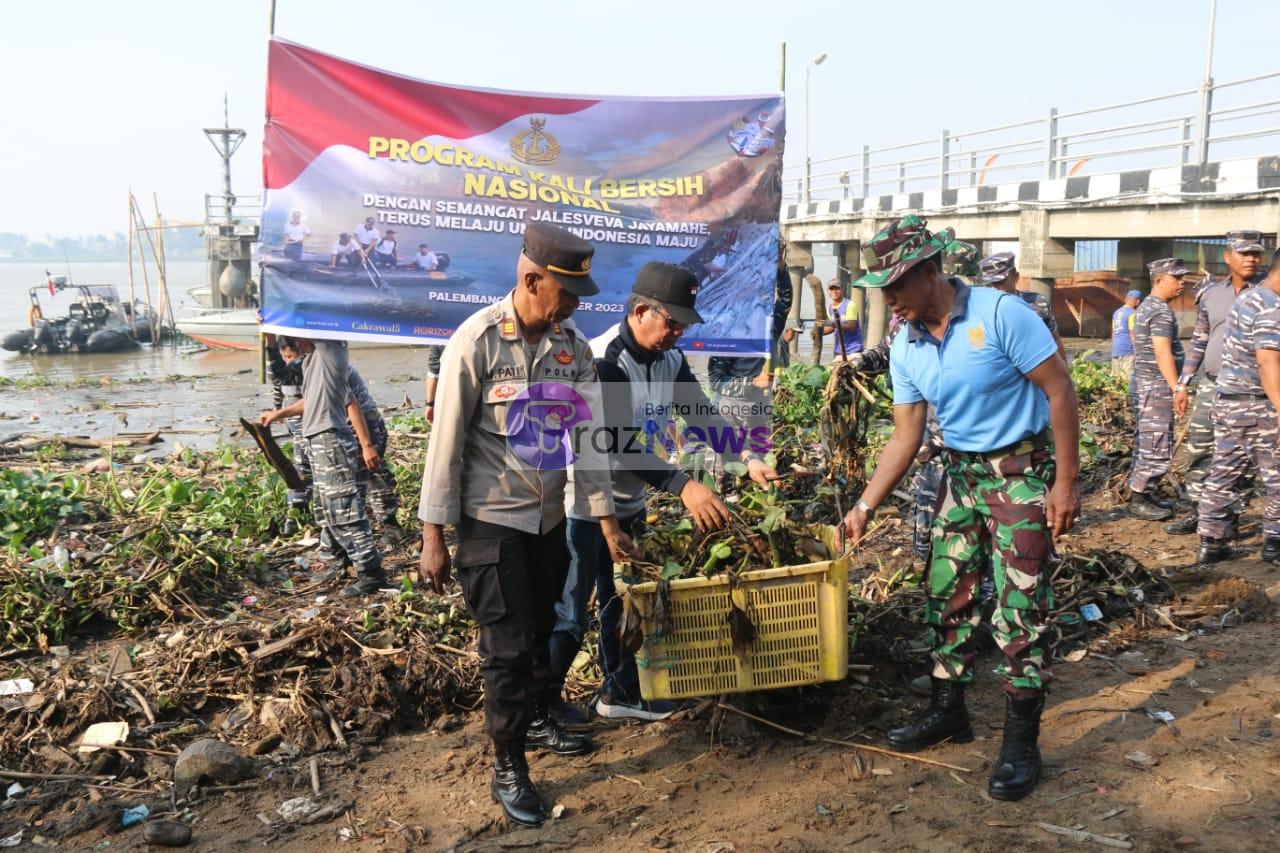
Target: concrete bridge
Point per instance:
(1042, 204)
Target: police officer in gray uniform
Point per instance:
(325, 406)
(1245, 427)
(1157, 357)
(1242, 256)
(519, 384)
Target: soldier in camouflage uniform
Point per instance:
(325, 407)
(999, 271)
(1157, 358)
(1246, 400)
(1243, 255)
(961, 259)
(991, 370)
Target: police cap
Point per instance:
(563, 254)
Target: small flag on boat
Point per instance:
(49, 280)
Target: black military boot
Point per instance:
(367, 583)
(1184, 526)
(1018, 770)
(545, 733)
(945, 719)
(1143, 506)
(512, 789)
(1271, 550)
(1212, 550)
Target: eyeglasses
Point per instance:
(672, 325)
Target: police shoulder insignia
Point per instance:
(977, 336)
(508, 329)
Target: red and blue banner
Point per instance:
(395, 207)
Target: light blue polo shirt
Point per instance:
(975, 377)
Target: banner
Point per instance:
(394, 207)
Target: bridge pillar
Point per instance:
(1132, 257)
(1042, 258)
(799, 262)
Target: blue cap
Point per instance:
(1133, 294)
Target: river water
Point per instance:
(17, 278)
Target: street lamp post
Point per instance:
(821, 58)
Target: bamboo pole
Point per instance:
(133, 297)
(164, 266)
(142, 256)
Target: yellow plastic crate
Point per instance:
(799, 613)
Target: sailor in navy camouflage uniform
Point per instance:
(1000, 272)
(1157, 358)
(379, 483)
(1242, 255)
(1245, 427)
(285, 363)
(325, 407)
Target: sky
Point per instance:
(104, 97)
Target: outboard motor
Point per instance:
(43, 336)
(19, 341)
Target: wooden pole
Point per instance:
(133, 297)
(136, 219)
(164, 267)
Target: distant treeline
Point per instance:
(179, 244)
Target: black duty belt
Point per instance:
(1222, 395)
(1019, 447)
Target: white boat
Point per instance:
(235, 328)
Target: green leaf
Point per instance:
(684, 525)
(671, 570)
(737, 469)
(774, 516)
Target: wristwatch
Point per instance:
(864, 506)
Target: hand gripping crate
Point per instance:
(800, 616)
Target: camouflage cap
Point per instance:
(897, 248)
(996, 268)
(1244, 241)
(960, 258)
(1167, 266)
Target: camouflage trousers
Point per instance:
(993, 511)
(926, 487)
(1153, 445)
(339, 499)
(1245, 434)
(299, 498)
(1198, 444)
(382, 498)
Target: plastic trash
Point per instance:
(16, 687)
(137, 814)
(1091, 612)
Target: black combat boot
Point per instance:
(1018, 770)
(1212, 550)
(945, 719)
(545, 733)
(512, 789)
(1184, 526)
(1143, 506)
(367, 583)
(1271, 550)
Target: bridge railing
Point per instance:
(1238, 118)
